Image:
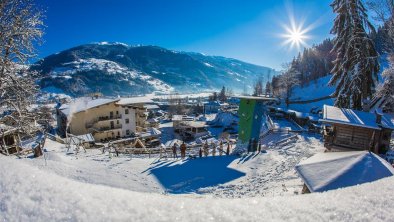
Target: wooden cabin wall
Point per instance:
(354, 137)
(383, 141)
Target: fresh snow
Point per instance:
(333, 170)
(315, 89)
(207, 64)
(355, 118)
(66, 188)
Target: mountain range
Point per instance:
(119, 69)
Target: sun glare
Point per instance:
(295, 36)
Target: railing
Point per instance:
(105, 118)
(105, 128)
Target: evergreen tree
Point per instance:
(222, 95)
(268, 89)
(258, 88)
(356, 64)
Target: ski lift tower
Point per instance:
(251, 111)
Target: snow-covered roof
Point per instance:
(195, 124)
(298, 114)
(134, 100)
(333, 114)
(182, 118)
(83, 104)
(151, 106)
(151, 132)
(333, 170)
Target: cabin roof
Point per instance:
(333, 170)
(351, 117)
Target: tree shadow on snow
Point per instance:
(190, 175)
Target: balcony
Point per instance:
(105, 128)
(101, 119)
(105, 118)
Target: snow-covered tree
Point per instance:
(386, 89)
(20, 28)
(287, 81)
(356, 64)
(383, 11)
(384, 14)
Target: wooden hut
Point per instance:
(347, 129)
(9, 139)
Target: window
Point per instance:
(126, 111)
(117, 112)
(117, 121)
(127, 121)
(127, 132)
(118, 133)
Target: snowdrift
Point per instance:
(29, 193)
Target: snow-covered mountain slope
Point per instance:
(119, 69)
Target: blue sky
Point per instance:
(243, 29)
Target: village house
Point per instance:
(347, 129)
(104, 118)
(188, 128)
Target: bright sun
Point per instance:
(295, 36)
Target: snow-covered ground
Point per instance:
(270, 173)
(33, 191)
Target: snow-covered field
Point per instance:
(270, 173)
(96, 186)
(71, 189)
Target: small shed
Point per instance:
(9, 139)
(333, 170)
(347, 129)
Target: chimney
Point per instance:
(378, 114)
